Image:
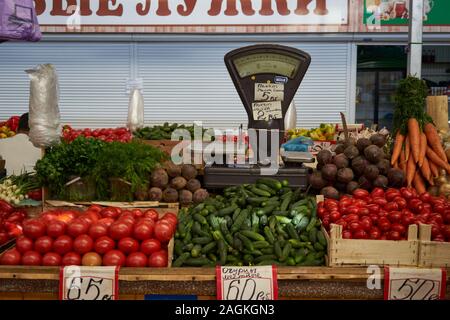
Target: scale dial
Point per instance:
(263, 63)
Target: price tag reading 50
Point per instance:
(414, 284)
(247, 283)
(89, 283)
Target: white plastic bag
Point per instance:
(135, 110)
(44, 114)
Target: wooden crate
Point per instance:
(432, 253)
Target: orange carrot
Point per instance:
(434, 169)
(419, 184)
(434, 141)
(399, 138)
(426, 171)
(414, 138)
(402, 161)
(423, 148)
(410, 171)
(436, 159)
(407, 148)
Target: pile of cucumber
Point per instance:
(265, 223)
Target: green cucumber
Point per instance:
(291, 231)
(195, 252)
(277, 249)
(285, 252)
(223, 254)
(227, 210)
(266, 188)
(313, 236)
(312, 224)
(201, 240)
(253, 235)
(201, 219)
(321, 238)
(285, 203)
(260, 192)
(246, 241)
(239, 221)
(271, 183)
(209, 247)
(265, 257)
(181, 260)
(261, 244)
(197, 262)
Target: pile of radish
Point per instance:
(99, 236)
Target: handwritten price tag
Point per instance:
(269, 92)
(414, 284)
(89, 283)
(267, 110)
(247, 283)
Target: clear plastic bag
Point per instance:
(135, 110)
(18, 21)
(44, 117)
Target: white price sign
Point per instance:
(247, 283)
(265, 111)
(89, 283)
(269, 92)
(414, 284)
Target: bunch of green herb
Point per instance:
(410, 102)
(65, 160)
(132, 162)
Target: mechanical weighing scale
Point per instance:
(267, 78)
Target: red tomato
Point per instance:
(426, 207)
(321, 212)
(164, 231)
(439, 208)
(439, 238)
(171, 217)
(383, 236)
(366, 223)
(360, 203)
(345, 201)
(94, 216)
(152, 214)
(390, 194)
(106, 221)
(31, 258)
(128, 245)
(71, 259)
(11, 257)
(119, 230)
(98, 230)
(363, 212)
(351, 210)
(76, 228)
(56, 228)
(83, 244)
(130, 221)
(436, 218)
(351, 217)
(335, 216)
(377, 192)
(384, 224)
(114, 258)
(414, 204)
(109, 213)
(33, 228)
(347, 234)
(62, 245)
(373, 208)
(326, 223)
(394, 235)
(150, 246)
(374, 217)
(104, 244)
(408, 219)
(399, 228)
(136, 260)
(43, 244)
(360, 193)
(425, 197)
(360, 234)
(24, 244)
(401, 202)
(143, 231)
(95, 208)
(51, 259)
(354, 226)
(445, 229)
(380, 201)
(342, 223)
(92, 259)
(375, 233)
(137, 213)
(447, 216)
(391, 206)
(435, 230)
(158, 259)
(395, 216)
(407, 193)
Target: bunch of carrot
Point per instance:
(419, 154)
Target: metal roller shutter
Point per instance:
(183, 81)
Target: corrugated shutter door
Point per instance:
(92, 79)
(186, 82)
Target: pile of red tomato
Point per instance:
(108, 135)
(10, 222)
(99, 236)
(386, 215)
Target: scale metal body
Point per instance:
(267, 78)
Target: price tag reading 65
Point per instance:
(247, 283)
(88, 283)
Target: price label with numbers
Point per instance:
(265, 111)
(247, 283)
(89, 283)
(269, 92)
(414, 284)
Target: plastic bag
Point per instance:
(18, 21)
(135, 110)
(44, 111)
(299, 144)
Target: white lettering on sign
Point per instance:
(269, 92)
(414, 284)
(193, 12)
(89, 283)
(265, 111)
(247, 283)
